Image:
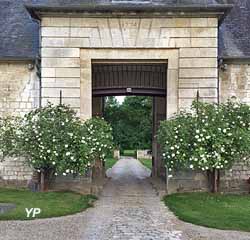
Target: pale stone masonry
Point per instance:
(19, 88)
(19, 94)
(235, 82)
(195, 39)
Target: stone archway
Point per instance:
(137, 78)
(162, 110)
(89, 56)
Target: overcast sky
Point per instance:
(120, 99)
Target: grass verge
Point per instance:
(129, 153)
(109, 163)
(227, 212)
(146, 162)
(52, 204)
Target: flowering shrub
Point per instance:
(212, 138)
(54, 140)
(51, 139)
(9, 129)
(98, 138)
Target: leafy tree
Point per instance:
(211, 139)
(131, 121)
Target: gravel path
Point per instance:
(128, 209)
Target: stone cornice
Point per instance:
(129, 10)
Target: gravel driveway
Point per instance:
(128, 209)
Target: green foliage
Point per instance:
(211, 137)
(131, 121)
(98, 138)
(9, 129)
(129, 153)
(228, 212)
(52, 204)
(110, 162)
(53, 139)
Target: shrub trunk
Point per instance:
(214, 180)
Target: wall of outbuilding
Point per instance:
(235, 83)
(19, 93)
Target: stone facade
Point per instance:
(19, 88)
(194, 39)
(235, 82)
(19, 93)
(69, 45)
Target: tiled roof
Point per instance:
(19, 34)
(234, 37)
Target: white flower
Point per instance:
(54, 163)
(55, 174)
(64, 174)
(67, 171)
(68, 153)
(48, 151)
(191, 166)
(66, 145)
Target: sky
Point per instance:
(120, 99)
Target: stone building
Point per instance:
(48, 47)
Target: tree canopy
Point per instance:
(131, 121)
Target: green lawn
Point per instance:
(146, 162)
(109, 163)
(52, 204)
(229, 212)
(129, 153)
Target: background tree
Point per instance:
(131, 121)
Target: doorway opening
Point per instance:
(144, 85)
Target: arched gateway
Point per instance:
(117, 77)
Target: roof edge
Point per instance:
(17, 59)
(236, 59)
(219, 9)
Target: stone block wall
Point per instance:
(62, 38)
(235, 82)
(19, 93)
(19, 88)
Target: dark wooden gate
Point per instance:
(114, 79)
